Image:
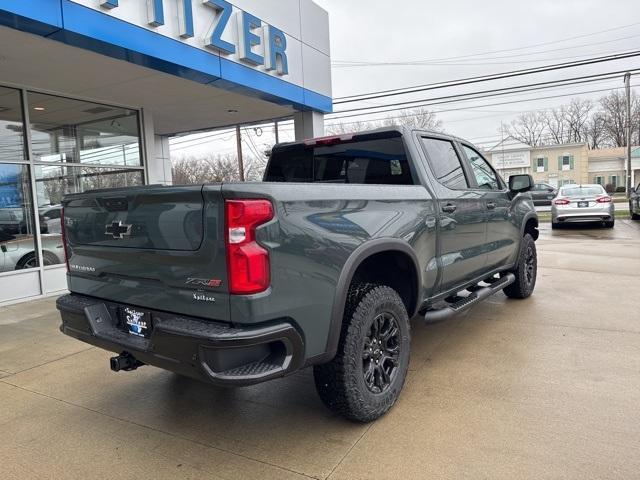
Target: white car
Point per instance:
(582, 203)
(17, 251)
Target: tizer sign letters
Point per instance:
(229, 30)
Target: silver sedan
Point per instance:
(582, 203)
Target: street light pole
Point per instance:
(627, 82)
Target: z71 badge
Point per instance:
(204, 282)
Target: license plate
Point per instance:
(583, 204)
(136, 322)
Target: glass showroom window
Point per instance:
(79, 146)
(17, 236)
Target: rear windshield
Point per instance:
(582, 191)
(381, 161)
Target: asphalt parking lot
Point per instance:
(543, 388)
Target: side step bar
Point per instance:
(477, 294)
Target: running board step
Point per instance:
(461, 304)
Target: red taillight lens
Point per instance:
(64, 239)
(561, 201)
(603, 199)
(247, 262)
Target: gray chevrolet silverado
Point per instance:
(322, 264)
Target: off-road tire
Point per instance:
(341, 383)
(526, 270)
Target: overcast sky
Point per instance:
(376, 31)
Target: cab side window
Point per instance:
(445, 163)
(484, 174)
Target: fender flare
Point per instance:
(356, 258)
(525, 220)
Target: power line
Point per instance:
(485, 105)
(592, 34)
(499, 91)
(444, 62)
(484, 78)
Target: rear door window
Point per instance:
(379, 161)
(485, 177)
(445, 163)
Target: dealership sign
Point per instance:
(506, 160)
(215, 25)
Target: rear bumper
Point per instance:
(570, 215)
(205, 350)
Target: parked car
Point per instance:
(634, 203)
(50, 216)
(321, 265)
(17, 251)
(582, 203)
(543, 194)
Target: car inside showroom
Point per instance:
(91, 91)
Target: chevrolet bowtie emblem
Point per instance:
(118, 230)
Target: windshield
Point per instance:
(582, 191)
(380, 161)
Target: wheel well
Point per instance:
(531, 227)
(394, 269)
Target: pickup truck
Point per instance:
(323, 264)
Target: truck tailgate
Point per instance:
(154, 247)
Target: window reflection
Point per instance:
(17, 240)
(72, 131)
(53, 182)
(12, 145)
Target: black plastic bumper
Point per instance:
(206, 350)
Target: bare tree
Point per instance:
(351, 127)
(615, 117)
(209, 169)
(595, 130)
(578, 113)
(416, 118)
(529, 128)
(556, 124)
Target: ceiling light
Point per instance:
(39, 109)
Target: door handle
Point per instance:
(491, 206)
(449, 208)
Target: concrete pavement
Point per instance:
(543, 388)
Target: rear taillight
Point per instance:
(561, 201)
(64, 239)
(247, 261)
(606, 199)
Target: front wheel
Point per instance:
(366, 377)
(526, 270)
(634, 216)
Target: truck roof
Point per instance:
(403, 131)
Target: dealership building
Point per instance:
(92, 90)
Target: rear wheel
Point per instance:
(610, 224)
(555, 226)
(366, 377)
(526, 270)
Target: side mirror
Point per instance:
(520, 183)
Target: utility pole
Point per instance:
(239, 147)
(627, 82)
(277, 132)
